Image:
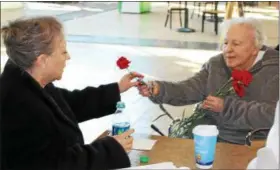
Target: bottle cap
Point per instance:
(144, 159)
(120, 105)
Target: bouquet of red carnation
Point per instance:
(181, 128)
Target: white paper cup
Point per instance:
(205, 140)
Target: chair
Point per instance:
(174, 8)
(199, 5)
(213, 12)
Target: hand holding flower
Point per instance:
(126, 81)
(147, 89)
(151, 88)
(234, 86)
(212, 103)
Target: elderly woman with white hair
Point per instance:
(243, 49)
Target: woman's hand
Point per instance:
(125, 140)
(126, 81)
(214, 104)
(146, 91)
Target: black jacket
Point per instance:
(39, 126)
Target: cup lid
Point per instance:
(206, 130)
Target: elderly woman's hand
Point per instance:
(125, 140)
(126, 81)
(145, 90)
(213, 103)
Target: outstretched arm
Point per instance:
(189, 91)
(92, 102)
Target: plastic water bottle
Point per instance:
(121, 122)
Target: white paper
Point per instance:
(163, 165)
(143, 144)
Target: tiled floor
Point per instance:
(151, 26)
(97, 35)
(103, 39)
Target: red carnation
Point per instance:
(123, 63)
(243, 76)
(236, 74)
(238, 88)
(246, 78)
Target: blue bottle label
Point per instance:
(169, 131)
(205, 147)
(119, 128)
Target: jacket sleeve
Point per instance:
(92, 102)
(252, 114)
(189, 91)
(31, 142)
(103, 154)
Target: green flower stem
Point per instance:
(222, 88)
(129, 71)
(182, 128)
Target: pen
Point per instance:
(156, 129)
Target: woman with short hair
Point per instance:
(39, 122)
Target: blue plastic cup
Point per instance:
(205, 140)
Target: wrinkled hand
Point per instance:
(126, 81)
(214, 104)
(125, 140)
(145, 90)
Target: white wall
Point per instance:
(9, 11)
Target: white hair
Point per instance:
(254, 23)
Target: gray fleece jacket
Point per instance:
(240, 115)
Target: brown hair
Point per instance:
(26, 39)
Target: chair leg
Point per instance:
(216, 23)
(199, 4)
(170, 19)
(180, 17)
(166, 20)
(193, 9)
(203, 19)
